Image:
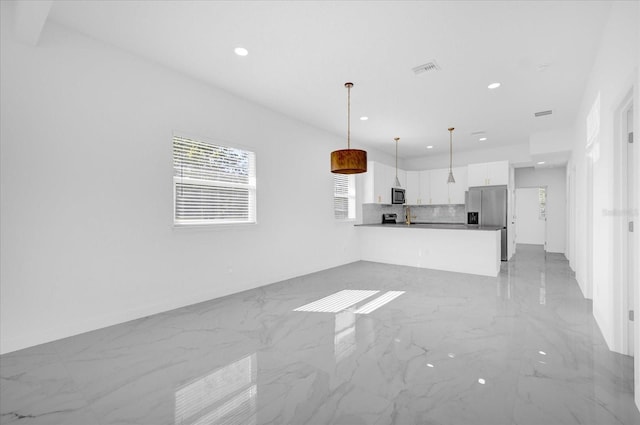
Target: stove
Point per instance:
(389, 218)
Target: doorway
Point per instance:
(531, 219)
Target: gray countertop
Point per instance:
(451, 226)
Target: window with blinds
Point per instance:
(213, 184)
(344, 196)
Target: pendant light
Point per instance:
(397, 182)
(451, 179)
(349, 161)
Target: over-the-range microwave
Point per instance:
(397, 195)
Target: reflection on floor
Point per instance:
(454, 349)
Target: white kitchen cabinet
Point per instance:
(378, 182)
(439, 186)
(413, 187)
(430, 187)
(425, 188)
(424, 196)
(381, 183)
(488, 174)
(498, 172)
(457, 189)
(477, 174)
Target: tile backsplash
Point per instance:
(372, 213)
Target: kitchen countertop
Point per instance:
(451, 226)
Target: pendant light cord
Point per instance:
(349, 85)
(396, 139)
(450, 150)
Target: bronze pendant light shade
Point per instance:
(349, 161)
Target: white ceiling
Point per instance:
(302, 53)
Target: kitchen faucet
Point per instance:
(408, 215)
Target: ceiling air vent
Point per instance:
(543, 113)
(432, 65)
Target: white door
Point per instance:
(530, 223)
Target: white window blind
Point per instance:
(212, 183)
(344, 196)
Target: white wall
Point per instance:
(87, 237)
(613, 76)
(554, 180)
(514, 154)
(545, 142)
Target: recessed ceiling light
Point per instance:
(540, 162)
(482, 139)
(429, 147)
(493, 86)
(364, 118)
(241, 51)
(481, 381)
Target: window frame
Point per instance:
(251, 185)
(350, 196)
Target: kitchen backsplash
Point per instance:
(372, 213)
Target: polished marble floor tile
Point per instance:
(432, 348)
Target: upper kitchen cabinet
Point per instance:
(488, 174)
(378, 181)
(413, 187)
(439, 187)
(457, 189)
(425, 187)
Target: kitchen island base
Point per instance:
(457, 250)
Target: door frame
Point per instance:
(628, 284)
(515, 210)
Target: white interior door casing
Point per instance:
(530, 228)
(631, 202)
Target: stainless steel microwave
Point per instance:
(397, 195)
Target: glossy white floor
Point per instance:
(521, 348)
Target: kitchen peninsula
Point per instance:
(449, 247)
(437, 237)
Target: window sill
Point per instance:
(214, 226)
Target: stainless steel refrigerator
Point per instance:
(490, 205)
